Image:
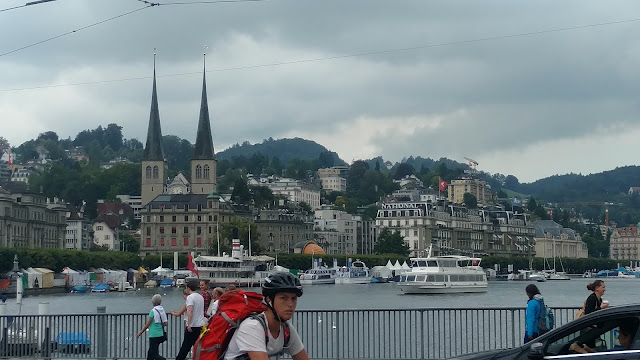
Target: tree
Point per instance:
(113, 136)
(241, 194)
(391, 243)
(470, 200)
(532, 205)
(4, 143)
(326, 159)
(226, 231)
(403, 170)
(306, 208)
(355, 174)
(511, 182)
(48, 135)
(129, 243)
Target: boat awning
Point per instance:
(262, 258)
(217, 258)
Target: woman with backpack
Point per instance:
(535, 305)
(156, 322)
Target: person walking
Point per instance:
(156, 322)
(194, 304)
(594, 301)
(213, 307)
(206, 295)
(535, 304)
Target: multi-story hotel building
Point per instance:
(337, 231)
(30, 220)
(332, 180)
(477, 187)
(554, 241)
(453, 229)
(625, 243)
(294, 190)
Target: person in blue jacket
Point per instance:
(534, 305)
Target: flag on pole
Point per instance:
(191, 265)
(442, 185)
(10, 162)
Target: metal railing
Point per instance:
(327, 334)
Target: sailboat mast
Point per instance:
(218, 237)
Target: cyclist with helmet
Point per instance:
(258, 340)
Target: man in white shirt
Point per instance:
(213, 306)
(194, 304)
(260, 341)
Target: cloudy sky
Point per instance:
(490, 80)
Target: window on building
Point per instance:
(161, 241)
(198, 230)
(148, 242)
(148, 218)
(186, 218)
(161, 218)
(186, 230)
(199, 207)
(148, 172)
(173, 218)
(199, 242)
(174, 242)
(198, 172)
(186, 241)
(156, 172)
(199, 218)
(215, 218)
(162, 230)
(99, 228)
(206, 171)
(107, 237)
(173, 230)
(148, 231)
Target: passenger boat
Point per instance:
(238, 269)
(356, 273)
(318, 276)
(444, 274)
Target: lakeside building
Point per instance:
(279, 230)
(332, 179)
(625, 243)
(553, 240)
(336, 231)
(454, 230)
(479, 188)
(22, 173)
(31, 220)
(77, 231)
(294, 190)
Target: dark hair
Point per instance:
(193, 285)
(532, 290)
(594, 285)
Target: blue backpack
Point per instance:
(547, 320)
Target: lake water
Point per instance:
(571, 293)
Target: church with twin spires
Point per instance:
(181, 215)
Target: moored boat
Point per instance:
(356, 273)
(444, 274)
(318, 276)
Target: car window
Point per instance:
(599, 336)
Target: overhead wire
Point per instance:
(73, 31)
(328, 58)
(27, 4)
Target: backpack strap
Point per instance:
(285, 331)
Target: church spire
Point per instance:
(204, 142)
(153, 150)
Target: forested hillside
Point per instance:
(284, 149)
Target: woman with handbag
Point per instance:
(594, 301)
(156, 323)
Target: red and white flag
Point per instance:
(191, 265)
(442, 185)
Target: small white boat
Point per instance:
(318, 276)
(538, 276)
(358, 273)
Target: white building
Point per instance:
(77, 232)
(294, 190)
(105, 231)
(337, 231)
(331, 179)
(552, 240)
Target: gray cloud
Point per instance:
(529, 95)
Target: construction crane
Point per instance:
(472, 165)
(596, 203)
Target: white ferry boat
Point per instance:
(237, 269)
(444, 274)
(357, 273)
(318, 276)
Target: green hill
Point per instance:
(284, 149)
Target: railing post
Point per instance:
(338, 342)
(44, 341)
(102, 342)
(423, 338)
(513, 328)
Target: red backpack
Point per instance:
(233, 307)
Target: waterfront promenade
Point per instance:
(327, 334)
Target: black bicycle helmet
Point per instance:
(281, 282)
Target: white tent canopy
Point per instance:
(161, 271)
(396, 266)
(389, 265)
(32, 276)
(405, 266)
